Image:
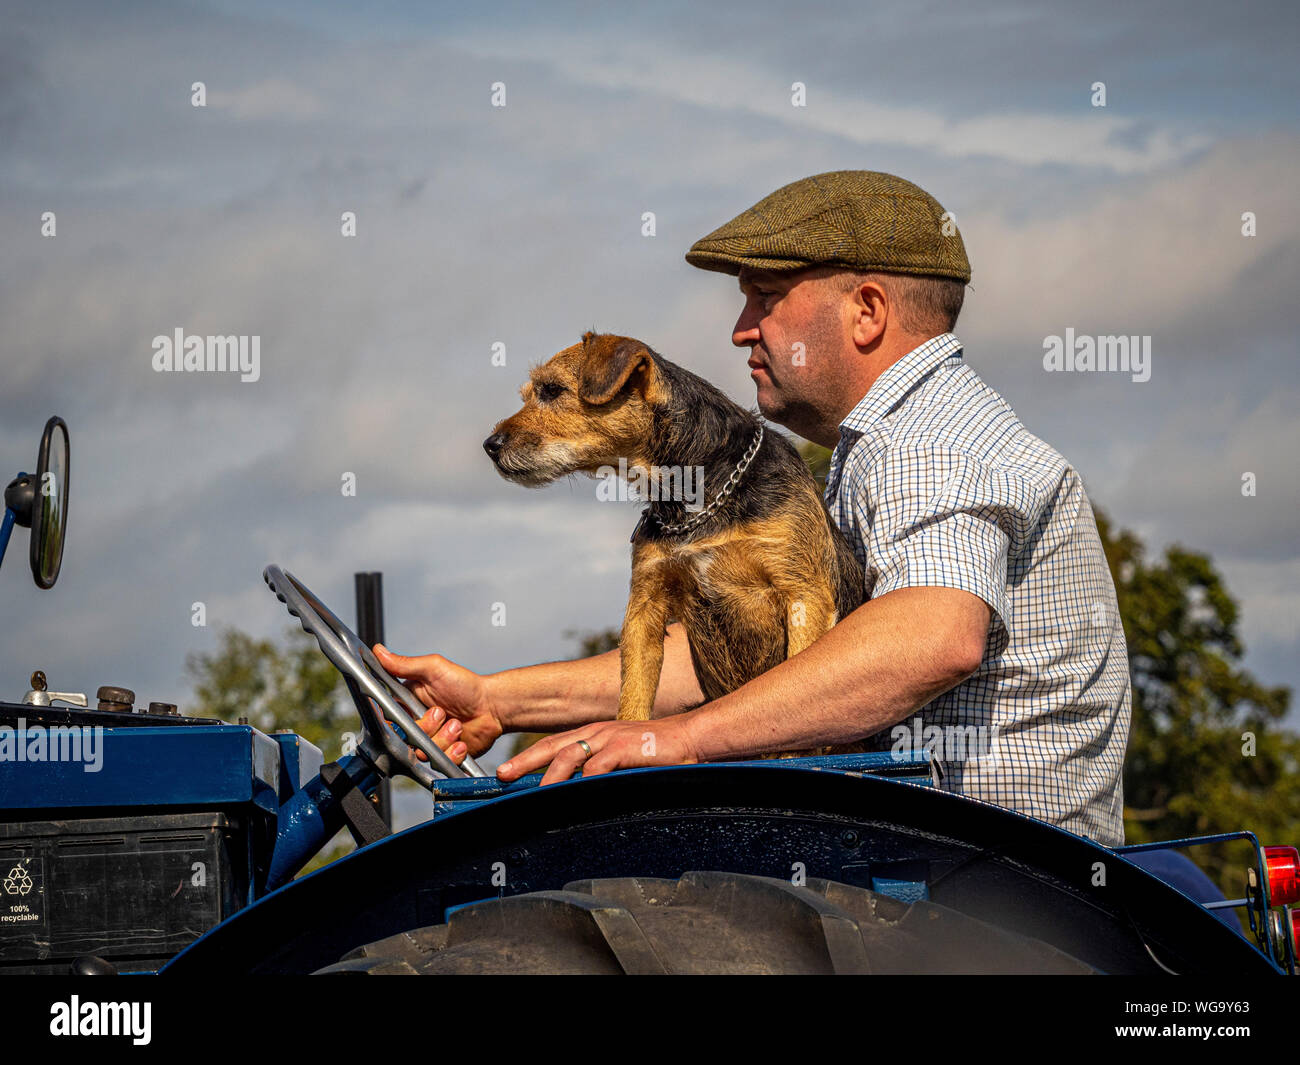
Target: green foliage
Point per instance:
(1208, 751)
(291, 686)
(818, 459)
(594, 643)
(276, 687)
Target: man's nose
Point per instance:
(745, 331)
(493, 444)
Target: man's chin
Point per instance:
(798, 417)
(769, 403)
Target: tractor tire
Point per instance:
(706, 923)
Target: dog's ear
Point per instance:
(606, 369)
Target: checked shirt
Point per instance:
(935, 482)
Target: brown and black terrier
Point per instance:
(735, 542)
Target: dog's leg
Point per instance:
(641, 645)
(809, 613)
(815, 608)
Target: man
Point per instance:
(991, 615)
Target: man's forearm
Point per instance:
(888, 658)
(563, 695)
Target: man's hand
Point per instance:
(460, 720)
(614, 745)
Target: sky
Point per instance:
(521, 226)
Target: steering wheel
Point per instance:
(367, 680)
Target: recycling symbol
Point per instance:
(18, 882)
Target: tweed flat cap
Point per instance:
(858, 219)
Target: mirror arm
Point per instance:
(6, 527)
(19, 494)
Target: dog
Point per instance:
(751, 563)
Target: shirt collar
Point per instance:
(892, 386)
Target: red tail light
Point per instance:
(1283, 875)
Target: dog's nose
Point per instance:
(493, 445)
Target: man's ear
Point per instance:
(605, 371)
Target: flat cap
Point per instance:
(858, 219)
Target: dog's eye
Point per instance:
(549, 390)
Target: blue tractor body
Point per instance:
(177, 853)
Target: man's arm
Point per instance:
(887, 659)
(884, 661)
(470, 712)
(564, 695)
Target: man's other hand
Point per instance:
(614, 745)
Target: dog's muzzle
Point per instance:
(520, 455)
(519, 463)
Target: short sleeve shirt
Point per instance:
(936, 483)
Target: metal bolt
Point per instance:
(121, 700)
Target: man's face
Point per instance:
(796, 328)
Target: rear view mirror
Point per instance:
(39, 502)
(51, 514)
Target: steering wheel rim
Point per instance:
(366, 680)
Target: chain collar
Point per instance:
(703, 515)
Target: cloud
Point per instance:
(1221, 478)
(522, 227)
(720, 84)
(267, 100)
(1139, 256)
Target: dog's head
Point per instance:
(589, 406)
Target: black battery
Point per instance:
(132, 890)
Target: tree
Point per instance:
(292, 687)
(1208, 751)
(818, 460)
